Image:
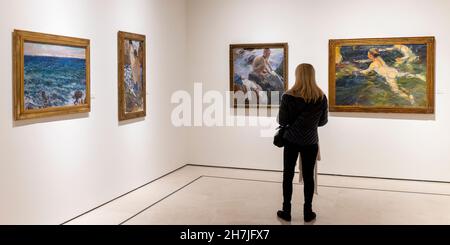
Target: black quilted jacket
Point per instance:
(302, 119)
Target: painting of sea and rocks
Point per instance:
(258, 74)
(51, 75)
(54, 76)
(132, 75)
(386, 77)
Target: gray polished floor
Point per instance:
(203, 195)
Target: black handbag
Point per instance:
(278, 139)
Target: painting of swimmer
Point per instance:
(53, 75)
(382, 75)
(132, 95)
(258, 74)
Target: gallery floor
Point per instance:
(207, 195)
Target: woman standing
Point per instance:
(303, 109)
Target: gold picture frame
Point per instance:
(49, 86)
(399, 72)
(281, 71)
(127, 106)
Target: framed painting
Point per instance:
(258, 74)
(51, 75)
(132, 76)
(386, 75)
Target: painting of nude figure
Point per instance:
(258, 74)
(132, 95)
(382, 75)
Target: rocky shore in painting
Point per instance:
(54, 82)
(134, 100)
(246, 80)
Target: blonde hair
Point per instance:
(305, 84)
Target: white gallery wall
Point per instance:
(54, 169)
(383, 145)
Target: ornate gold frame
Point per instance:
(122, 36)
(429, 41)
(284, 46)
(19, 38)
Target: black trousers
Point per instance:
(308, 154)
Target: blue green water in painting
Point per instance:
(354, 88)
(53, 82)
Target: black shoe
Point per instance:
(309, 216)
(284, 215)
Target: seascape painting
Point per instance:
(393, 76)
(133, 76)
(54, 76)
(51, 75)
(132, 92)
(258, 70)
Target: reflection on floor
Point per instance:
(205, 195)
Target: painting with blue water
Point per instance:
(393, 76)
(54, 76)
(258, 71)
(132, 75)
